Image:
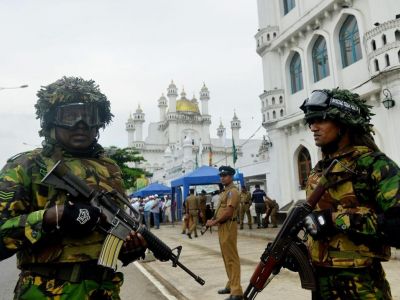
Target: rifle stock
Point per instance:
(287, 243)
(118, 223)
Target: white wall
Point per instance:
(298, 31)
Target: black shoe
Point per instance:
(224, 291)
(189, 235)
(196, 236)
(234, 297)
(183, 232)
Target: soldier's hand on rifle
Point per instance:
(211, 223)
(319, 224)
(134, 241)
(133, 248)
(77, 219)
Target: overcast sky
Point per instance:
(132, 49)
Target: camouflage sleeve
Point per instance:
(386, 174)
(385, 196)
(19, 224)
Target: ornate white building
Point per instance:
(180, 140)
(314, 44)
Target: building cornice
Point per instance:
(387, 47)
(308, 22)
(382, 28)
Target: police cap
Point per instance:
(226, 170)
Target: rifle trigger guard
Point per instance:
(178, 253)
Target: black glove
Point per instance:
(319, 224)
(79, 219)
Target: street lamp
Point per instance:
(13, 87)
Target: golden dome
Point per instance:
(185, 105)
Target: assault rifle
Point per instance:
(117, 224)
(287, 244)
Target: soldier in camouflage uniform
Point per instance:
(357, 219)
(57, 241)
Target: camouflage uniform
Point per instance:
(23, 201)
(364, 184)
(54, 264)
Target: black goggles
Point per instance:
(320, 100)
(69, 115)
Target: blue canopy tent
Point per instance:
(202, 176)
(151, 189)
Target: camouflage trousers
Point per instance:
(352, 283)
(34, 287)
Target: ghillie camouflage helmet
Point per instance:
(342, 106)
(69, 90)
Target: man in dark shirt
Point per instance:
(258, 198)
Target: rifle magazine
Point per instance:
(110, 252)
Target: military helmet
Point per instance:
(72, 94)
(342, 106)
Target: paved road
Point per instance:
(136, 286)
(202, 256)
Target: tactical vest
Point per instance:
(350, 189)
(100, 173)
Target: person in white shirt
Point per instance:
(155, 209)
(167, 210)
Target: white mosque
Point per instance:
(180, 140)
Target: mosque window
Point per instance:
(376, 63)
(274, 35)
(268, 37)
(274, 114)
(320, 59)
(281, 112)
(273, 101)
(397, 35)
(373, 45)
(288, 5)
(296, 74)
(263, 118)
(304, 167)
(267, 115)
(349, 39)
(387, 60)
(280, 99)
(384, 41)
(398, 55)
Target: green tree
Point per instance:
(124, 156)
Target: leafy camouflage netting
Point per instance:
(359, 121)
(69, 90)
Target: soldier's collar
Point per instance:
(350, 150)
